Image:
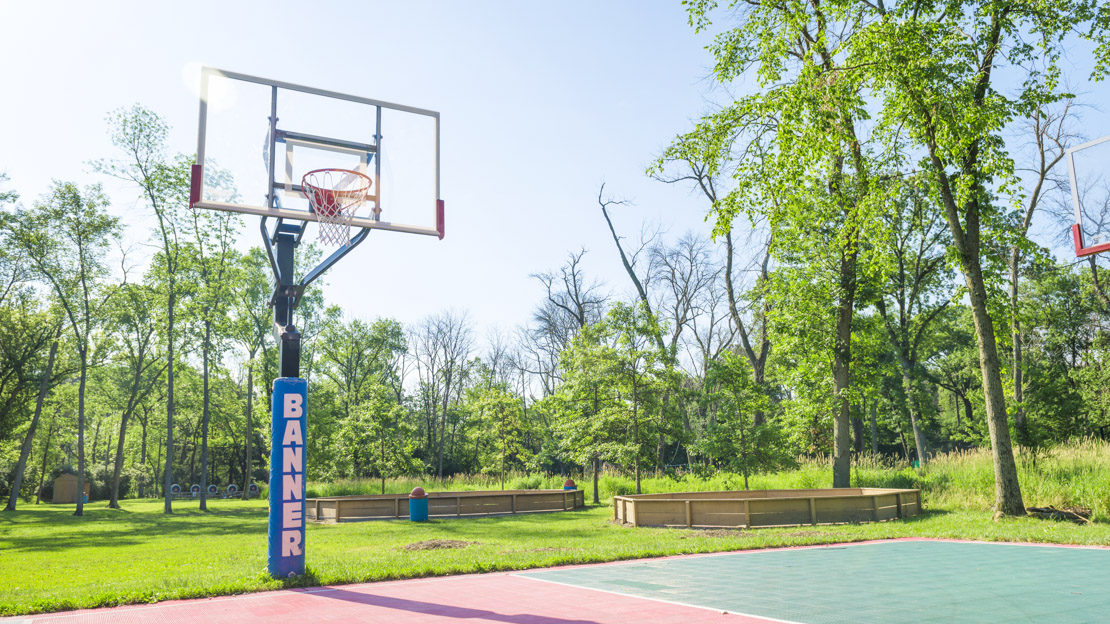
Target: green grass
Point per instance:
(51, 560)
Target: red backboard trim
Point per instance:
(1080, 250)
(439, 218)
(196, 176)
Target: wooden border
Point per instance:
(766, 508)
(443, 504)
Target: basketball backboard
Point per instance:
(1089, 175)
(258, 137)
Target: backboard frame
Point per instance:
(274, 208)
(1077, 228)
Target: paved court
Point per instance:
(888, 581)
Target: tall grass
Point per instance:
(455, 483)
(1072, 474)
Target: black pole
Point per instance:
(285, 300)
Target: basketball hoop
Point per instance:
(335, 196)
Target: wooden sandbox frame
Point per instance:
(766, 508)
(443, 504)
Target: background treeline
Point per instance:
(870, 288)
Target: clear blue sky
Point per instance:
(540, 104)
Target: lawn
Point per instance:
(51, 560)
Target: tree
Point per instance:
(637, 376)
(936, 67)
(917, 291)
(1050, 138)
(164, 182)
(136, 333)
(735, 432)
(210, 267)
(376, 438)
(443, 344)
(499, 416)
(252, 328)
(25, 450)
(811, 166)
(65, 237)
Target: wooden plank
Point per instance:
(812, 512)
(689, 516)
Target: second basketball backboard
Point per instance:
(1089, 174)
(258, 137)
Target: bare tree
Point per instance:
(1051, 134)
(699, 164)
(443, 345)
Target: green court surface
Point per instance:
(893, 581)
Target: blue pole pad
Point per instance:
(288, 416)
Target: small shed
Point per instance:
(65, 488)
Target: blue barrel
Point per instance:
(418, 505)
(569, 485)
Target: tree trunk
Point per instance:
(875, 428)
(915, 417)
(1015, 334)
(597, 468)
(113, 503)
(250, 428)
(636, 433)
(204, 418)
(842, 359)
(1007, 490)
(25, 451)
(84, 350)
(45, 455)
(167, 472)
(857, 435)
(142, 457)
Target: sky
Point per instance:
(540, 105)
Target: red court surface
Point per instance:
(501, 598)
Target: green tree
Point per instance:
(135, 331)
(375, 439)
(140, 134)
(500, 420)
(734, 436)
(210, 265)
(65, 237)
(812, 168)
(937, 70)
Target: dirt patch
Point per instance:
(437, 544)
(809, 534)
(533, 550)
(716, 533)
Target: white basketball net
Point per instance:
(335, 196)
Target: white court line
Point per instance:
(673, 602)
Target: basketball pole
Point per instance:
(288, 415)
